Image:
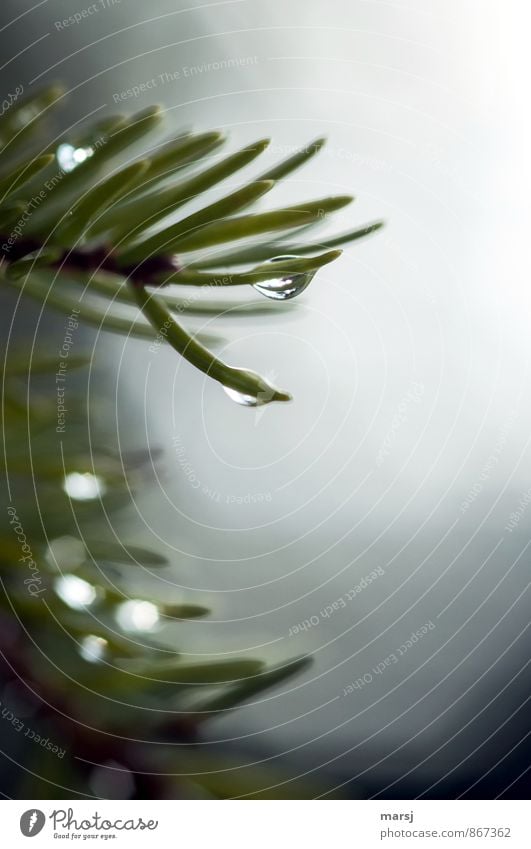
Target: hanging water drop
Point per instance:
(284, 287)
(241, 398)
(264, 394)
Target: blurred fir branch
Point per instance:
(73, 209)
(79, 638)
(83, 211)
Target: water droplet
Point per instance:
(286, 287)
(69, 157)
(265, 392)
(241, 398)
(65, 553)
(83, 486)
(75, 592)
(93, 648)
(23, 117)
(137, 615)
(112, 780)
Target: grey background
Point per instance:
(281, 512)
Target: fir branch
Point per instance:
(93, 215)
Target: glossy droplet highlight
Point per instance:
(241, 398)
(93, 648)
(83, 486)
(137, 615)
(75, 592)
(265, 392)
(69, 157)
(286, 286)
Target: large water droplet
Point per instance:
(65, 553)
(137, 615)
(264, 395)
(83, 486)
(75, 592)
(112, 780)
(93, 648)
(284, 287)
(69, 157)
(241, 398)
